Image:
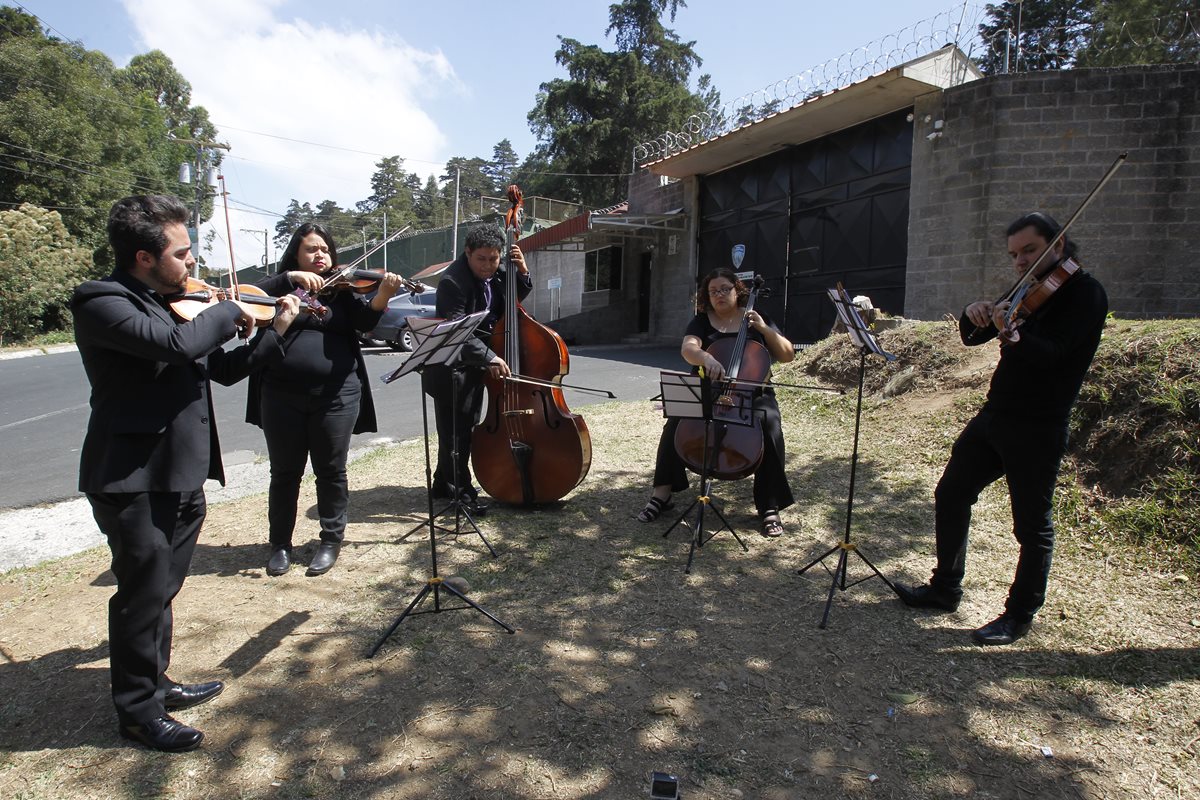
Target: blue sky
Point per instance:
(310, 95)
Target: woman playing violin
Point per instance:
(720, 309)
(309, 404)
(1021, 431)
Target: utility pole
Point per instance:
(454, 238)
(204, 150)
(263, 231)
(385, 239)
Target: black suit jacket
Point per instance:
(152, 427)
(460, 294)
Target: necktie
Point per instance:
(487, 296)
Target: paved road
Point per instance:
(44, 411)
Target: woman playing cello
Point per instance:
(720, 311)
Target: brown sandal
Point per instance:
(770, 524)
(653, 508)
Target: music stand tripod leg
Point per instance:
(456, 502)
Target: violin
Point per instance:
(255, 302)
(198, 295)
(1034, 294)
(529, 448)
(363, 281)
(732, 447)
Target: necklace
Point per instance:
(726, 326)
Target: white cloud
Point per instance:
(255, 69)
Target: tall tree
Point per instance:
(295, 216)
(391, 195)
(588, 124)
(472, 184)
(429, 206)
(1031, 35)
(75, 133)
(1131, 32)
(502, 167)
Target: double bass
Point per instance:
(529, 448)
(731, 448)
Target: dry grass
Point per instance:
(621, 663)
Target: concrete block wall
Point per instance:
(1040, 141)
(673, 281)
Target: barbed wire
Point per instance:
(839, 72)
(1137, 42)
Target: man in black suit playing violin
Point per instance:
(151, 443)
(472, 283)
(1021, 431)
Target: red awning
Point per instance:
(432, 271)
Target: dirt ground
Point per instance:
(621, 663)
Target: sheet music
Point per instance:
(438, 342)
(856, 327)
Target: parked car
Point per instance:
(392, 329)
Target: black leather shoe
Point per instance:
(441, 491)
(1002, 630)
(470, 502)
(165, 734)
(929, 596)
(280, 561)
(185, 695)
(324, 559)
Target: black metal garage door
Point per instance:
(835, 209)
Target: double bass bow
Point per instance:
(732, 447)
(529, 448)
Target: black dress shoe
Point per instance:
(185, 695)
(165, 734)
(929, 596)
(1002, 630)
(441, 491)
(326, 556)
(470, 501)
(280, 561)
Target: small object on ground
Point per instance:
(459, 584)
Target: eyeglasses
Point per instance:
(720, 292)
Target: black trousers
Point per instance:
(300, 426)
(152, 536)
(439, 383)
(1027, 454)
(771, 487)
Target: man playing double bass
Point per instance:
(1021, 431)
(474, 282)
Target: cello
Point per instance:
(529, 448)
(731, 448)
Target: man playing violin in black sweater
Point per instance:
(1021, 431)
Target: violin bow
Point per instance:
(233, 281)
(348, 269)
(234, 293)
(1017, 291)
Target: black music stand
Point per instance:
(861, 335)
(441, 344)
(421, 328)
(690, 397)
